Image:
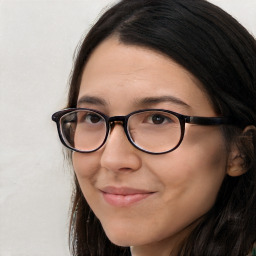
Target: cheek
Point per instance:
(193, 173)
(208, 154)
(85, 167)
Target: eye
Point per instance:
(89, 118)
(93, 118)
(158, 119)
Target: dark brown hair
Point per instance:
(217, 50)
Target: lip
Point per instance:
(124, 196)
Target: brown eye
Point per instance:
(89, 118)
(158, 119)
(92, 118)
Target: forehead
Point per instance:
(124, 74)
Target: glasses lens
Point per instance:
(155, 131)
(83, 130)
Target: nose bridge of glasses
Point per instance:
(116, 120)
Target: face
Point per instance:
(143, 199)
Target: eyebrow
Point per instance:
(139, 102)
(156, 100)
(91, 100)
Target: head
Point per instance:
(196, 53)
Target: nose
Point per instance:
(118, 153)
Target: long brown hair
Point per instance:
(216, 49)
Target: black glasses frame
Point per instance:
(110, 122)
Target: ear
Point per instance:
(236, 164)
(237, 161)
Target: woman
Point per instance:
(161, 125)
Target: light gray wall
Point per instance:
(37, 41)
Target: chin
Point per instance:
(122, 236)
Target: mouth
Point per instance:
(124, 196)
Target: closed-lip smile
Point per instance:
(124, 196)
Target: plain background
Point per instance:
(37, 42)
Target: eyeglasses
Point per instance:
(154, 131)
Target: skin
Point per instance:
(184, 183)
